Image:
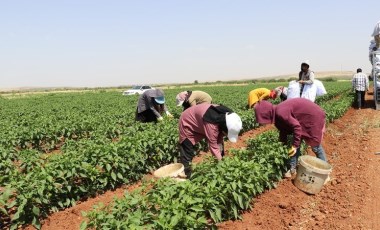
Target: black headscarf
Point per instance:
(217, 115)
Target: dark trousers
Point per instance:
(187, 154)
(359, 98)
(146, 116)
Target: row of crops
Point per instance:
(61, 148)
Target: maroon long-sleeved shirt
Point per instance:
(193, 127)
(302, 118)
(298, 117)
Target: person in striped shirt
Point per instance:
(360, 85)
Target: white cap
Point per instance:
(234, 126)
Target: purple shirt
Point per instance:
(193, 127)
(302, 118)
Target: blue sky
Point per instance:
(111, 43)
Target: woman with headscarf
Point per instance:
(191, 98)
(299, 117)
(151, 106)
(210, 122)
(259, 94)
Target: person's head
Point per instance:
(160, 100)
(181, 97)
(305, 66)
(234, 125)
(358, 70)
(264, 112)
(273, 94)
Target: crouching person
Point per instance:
(298, 117)
(151, 106)
(186, 99)
(211, 122)
(260, 94)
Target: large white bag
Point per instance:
(309, 92)
(320, 88)
(293, 90)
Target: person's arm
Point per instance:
(252, 99)
(311, 79)
(283, 137)
(149, 101)
(264, 96)
(214, 139)
(353, 83)
(297, 130)
(193, 102)
(367, 82)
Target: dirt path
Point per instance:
(349, 201)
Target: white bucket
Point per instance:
(171, 170)
(311, 174)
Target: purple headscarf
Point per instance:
(264, 112)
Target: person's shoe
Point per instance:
(290, 173)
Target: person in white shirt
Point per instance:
(360, 84)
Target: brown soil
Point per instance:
(349, 201)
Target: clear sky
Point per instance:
(111, 43)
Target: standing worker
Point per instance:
(376, 34)
(299, 117)
(360, 85)
(259, 94)
(151, 106)
(212, 122)
(191, 98)
(305, 76)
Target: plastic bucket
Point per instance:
(311, 174)
(171, 170)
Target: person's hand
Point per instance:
(160, 119)
(301, 81)
(292, 151)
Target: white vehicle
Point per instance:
(375, 74)
(137, 90)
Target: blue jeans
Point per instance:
(318, 150)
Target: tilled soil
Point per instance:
(348, 201)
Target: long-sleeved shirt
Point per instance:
(199, 97)
(360, 82)
(193, 127)
(301, 118)
(257, 95)
(307, 77)
(146, 101)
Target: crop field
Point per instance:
(61, 148)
